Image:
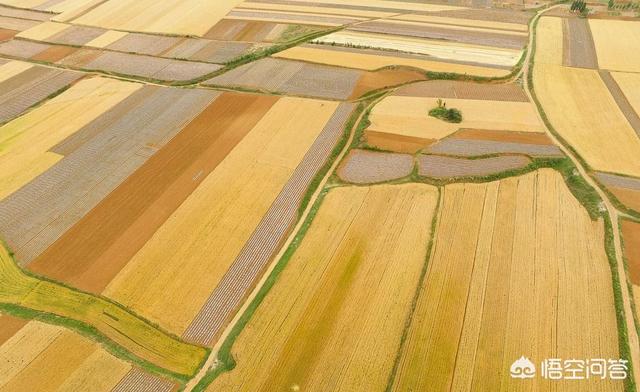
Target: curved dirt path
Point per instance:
(213, 356)
(634, 342)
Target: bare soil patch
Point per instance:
(367, 167)
(628, 197)
(6, 34)
(631, 236)
(398, 143)
(578, 48)
(81, 58)
(54, 54)
(503, 136)
(9, 325)
(371, 81)
(94, 250)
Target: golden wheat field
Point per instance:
(409, 116)
(354, 276)
(518, 268)
(549, 41)
(583, 112)
(243, 187)
(617, 44)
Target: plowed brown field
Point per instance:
(93, 251)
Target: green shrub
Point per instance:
(449, 115)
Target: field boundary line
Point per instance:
(212, 361)
(627, 333)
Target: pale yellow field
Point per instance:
(314, 10)
(13, 68)
(71, 9)
(630, 85)
(617, 44)
(23, 347)
(25, 141)
(71, 5)
(188, 17)
(266, 18)
(193, 249)
(409, 116)
(459, 22)
(549, 41)
(43, 31)
(100, 372)
(106, 39)
(372, 62)
(581, 109)
(335, 316)
(408, 6)
(65, 361)
(451, 51)
(518, 268)
(23, 3)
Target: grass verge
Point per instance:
(132, 337)
(226, 361)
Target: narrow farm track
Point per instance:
(614, 214)
(212, 359)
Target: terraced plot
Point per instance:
(349, 283)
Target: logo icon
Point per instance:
(523, 368)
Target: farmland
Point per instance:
(301, 195)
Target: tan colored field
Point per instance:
(25, 141)
(106, 39)
(100, 372)
(630, 85)
(13, 68)
(617, 44)
(549, 41)
(63, 361)
(193, 249)
(372, 62)
(23, 347)
(408, 6)
(409, 116)
(71, 9)
(354, 277)
(442, 50)
(462, 23)
(190, 17)
(313, 10)
(631, 237)
(581, 109)
(23, 3)
(43, 31)
(518, 268)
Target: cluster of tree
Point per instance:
(623, 6)
(449, 115)
(580, 6)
